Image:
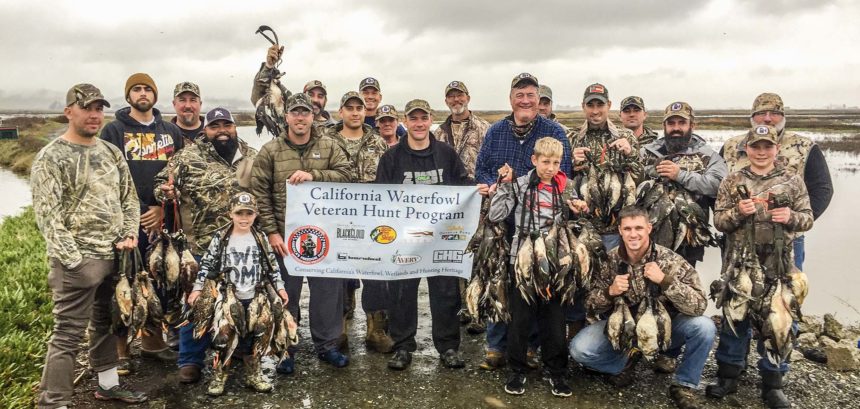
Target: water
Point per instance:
(16, 193)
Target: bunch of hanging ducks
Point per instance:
(135, 305)
(174, 269)
(486, 295)
(677, 218)
(610, 183)
(651, 329)
(270, 109)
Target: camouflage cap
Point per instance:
(545, 92)
(416, 104)
(386, 111)
(369, 82)
(458, 85)
(632, 101)
(682, 109)
(218, 114)
(351, 95)
(85, 94)
(315, 84)
(186, 86)
(524, 77)
(243, 201)
(299, 100)
(595, 91)
(762, 133)
(768, 102)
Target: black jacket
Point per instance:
(436, 165)
(146, 148)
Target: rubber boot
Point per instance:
(771, 390)
(219, 379)
(254, 375)
(377, 339)
(727, 380)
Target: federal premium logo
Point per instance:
(404, 259)
(350, 232)
(308, 244)
(383, 234)
(447, 256)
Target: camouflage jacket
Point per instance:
(702, 169)
(468, 142)
(84, 199)
(793, 152)
(363, 153)
(279, 159)
(681, 290)
(206, 182)
(648, 136)
(779, 181)
(564, 127)
(323, 124)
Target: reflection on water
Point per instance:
(16, 193)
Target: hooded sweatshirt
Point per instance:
(146, 148)
(438, 164)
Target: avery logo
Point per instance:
(447, 256)
(403, 259)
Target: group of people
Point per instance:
(94, 197)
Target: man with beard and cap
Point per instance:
(148, 142)
(422, 160)
(633, 116)
(545, 106)
(211, 170)
(387, 123)
(86, 208)
(511, 141)
(301, 154)
(363, 148)
(187, 103)
(371, 93)
(797, 154)
(686, 159)
(318, 94)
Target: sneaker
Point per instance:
(493, 360)
(684, 397)
(258, 383)
(335, 358)
(216, 385)
(516, 384)
(287, 366)
(401, 360)
(452, 359)
(560, 387)
(664, 364)
(628, 374)
(120, 393)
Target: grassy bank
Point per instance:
(25, 309)
(33, 134)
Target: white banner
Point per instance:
(379, 232)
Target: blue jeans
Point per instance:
(733, 349)
(610, 241)
(696, 334)
(497, 337)
(799, 252)
(192, 351)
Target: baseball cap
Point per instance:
(300, 100)
(386, 111)
(678, 108)
(218, 114)
(545, 92)
(417, 104)
(351, 95)
(369, 82)
(315, 84)
(768, 102)
(458, 85)
(243, 201)
(524, 77)
(186, 86)
(632, 101)
(85, 94)
(595, 91)
(761, 133)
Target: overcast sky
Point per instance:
(712, 54)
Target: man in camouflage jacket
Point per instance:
(545, 107)
(463, 129)
(636, 270)
(633, 116)
(86, 207)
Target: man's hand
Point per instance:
(654, 273)
(300, 176)
(622, 145)
(193, 297)
(273, 54)
(167, 188)
(278, 245)
(151, 220)
(284, 296)
(746, 207)
(506, 173)
(128, 244)
(668, 169)
(780, 215)
(577, 206)
(579, 154)
(620, 285)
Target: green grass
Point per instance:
(25, 309)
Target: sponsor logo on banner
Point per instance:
(447, 256)
(308, 244)
(405, 259)
(418, 235)
(454, 232)
(348, 257)
(350, 232)
(383, 234)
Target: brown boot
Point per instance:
(377, 339)
(189, 374)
